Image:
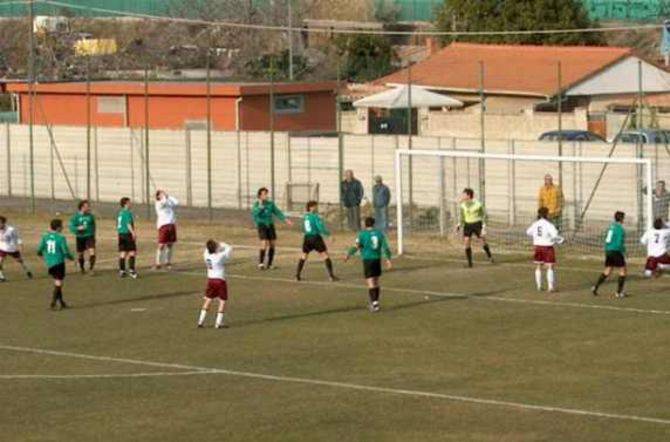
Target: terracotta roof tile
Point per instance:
(516, 69)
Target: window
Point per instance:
(111, 105)
(289, 104)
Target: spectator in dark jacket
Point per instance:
(661, 201)
(352, 195)
(381, 198)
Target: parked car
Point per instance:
(571, 135)
(644, 136)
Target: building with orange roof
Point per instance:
(298, 107)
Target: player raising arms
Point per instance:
(615, 255)
(656, 240)
(314, 230)
(10, 242)
(216, 255)
(372, 245)
(167, 228)
(53, 247)
(125, 227)
(473, 220)
(82, 225)
(263, 212)
(544, 235)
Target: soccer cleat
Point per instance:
(272, 267)
(82, 271)
(298, 278)
(3, 279)
(221, 326)
(52, 306)
(201, 325)
(261, 266)
(375, 307)
(619, 295)
(122, 274)
(168, 267)
(133, 274)
(333, 278)
(29, 274)
(63, 305)
(594, 290)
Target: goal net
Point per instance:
(430, 183)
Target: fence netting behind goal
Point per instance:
(432, 188)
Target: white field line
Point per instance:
(451, 295)
(350, 386)
(104, 375)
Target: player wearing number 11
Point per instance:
(372, 245)
(53, 247)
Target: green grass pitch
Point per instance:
(455, 354)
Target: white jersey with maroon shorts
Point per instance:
(216, 272)
(166, 220)
(9, 242)
(544, 235)
(657, 241)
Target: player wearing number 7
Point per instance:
(314, 231)
(372, 245)
(53, 247)
(656, 240)
(544, 235)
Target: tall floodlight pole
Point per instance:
(31, 101)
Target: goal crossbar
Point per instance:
(400, 153)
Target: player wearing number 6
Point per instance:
(615, 255)
(372, 245)
(314, 231)
(656, 240)
(544, 235)
(53, 247)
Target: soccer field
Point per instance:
(455, 354)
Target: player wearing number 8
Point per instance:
(615, 255)
(53, 247)
(544, 235)
(314, 231)
(656, 240)
(372, 245)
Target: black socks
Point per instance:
(261, 256)
(329, 267)
(131, 263)
(91, 262)
(271, 256)
(601, 279)
(81, 262)
(122, 264)
(620, 283)
(468, 255)
(487, 250)
(301, 265)
(373, 294)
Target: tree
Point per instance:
(365, 57)
(518, 15)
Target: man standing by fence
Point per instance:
(381, 198)
(551, 197)
(352, 195)
(661, 200)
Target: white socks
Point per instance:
(159, 257)
(538, 279)
(168, 255)
(203, 315)
(219, 320)
(551, 279)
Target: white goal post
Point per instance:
(402, 154)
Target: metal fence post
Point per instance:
(8, 144)
(187, 167)
(96, 164)
(147, 178)
(239, 169)
(340, 169)
(482, 122)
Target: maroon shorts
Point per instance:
(167, 234)
(15, 255)
(654, 262)
(217, 288)
(544, 255)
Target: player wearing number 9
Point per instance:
(53, 248)
(314, 231)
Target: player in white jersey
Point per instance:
(657, 241)
(10, 245)
(216, 256)
(545, 236)
(166, 220)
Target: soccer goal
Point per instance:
(429, 185)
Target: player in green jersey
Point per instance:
(264, 212)
(372, 245)
(314, 231)
(82, 225)
(473, 220)
(615, 255)
(125, 227)
(53, 248)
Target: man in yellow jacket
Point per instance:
(551, 197)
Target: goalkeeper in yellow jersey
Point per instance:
(473, 221)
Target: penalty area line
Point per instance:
(195, 370)
(104, 375)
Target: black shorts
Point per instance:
(83, 244)
(372, 268)
(314, 243)
(473, 229)
(267, 233)
(127, 243)
(615, 259)
(57, 272)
